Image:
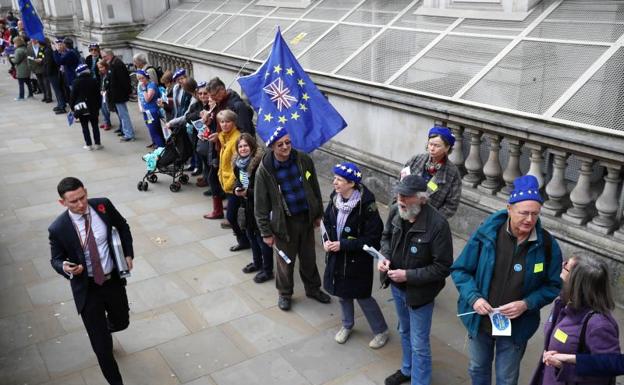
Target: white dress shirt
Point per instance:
(100, 233)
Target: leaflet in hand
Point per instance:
(282, 255)
(200, 127)
(372, 251)
(324, 235)
(501, 325)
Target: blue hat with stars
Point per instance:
(202, 84)
(142, 73)
(526, 188)
(179, 72)
(349, 171)
(279, 133)
(82, 68)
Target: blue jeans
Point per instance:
(58, 91)
(483, 348)
(154, 128)
(414, 328)
(126, 123)
(371, 311)
(20, 83)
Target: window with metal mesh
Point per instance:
(182, 26)
(187, 5)
(234, 6)
(258, 37)
(594, 10)
(229, 32)
(386, 55)
(203, 29)
(335, 47)
(450, 64)
(291, 12)
(533, 75)
(161, 24)
(331, 9)
(379, 12)
(209, 5)
(434, 23)
(258, 10)
(600, 101)
(299, 37)
(575, 30)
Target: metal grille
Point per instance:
(203, 29)
(233, 6)
(209, 5)
(378, 12)
(258, 37)
(569, 30)
(533, 75)
(594, 10)
(331, 9)
(600, 101)
(335, 47)
(259, 10)
(182, 26)
(162, 24)
(450, 64)
(310, 30)
(229, 32)
(386, 55)
(434, 23)
(187, 4)
(290, 12)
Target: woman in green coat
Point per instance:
(20, 61)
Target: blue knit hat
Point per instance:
(94, 45)
(526, 188)
(202, 84)
(445, 133)
(179, 72)
(349, 171)
(279, 133)
(142, 73)
(82, 68)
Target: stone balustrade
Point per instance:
(169, 62)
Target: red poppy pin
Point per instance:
(101, 208)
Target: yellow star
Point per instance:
(277, 69)
(305, 96)
(268, 117)
(301, 82)
(294, 115)
(290, 71)
(282, 119)
(303, 107)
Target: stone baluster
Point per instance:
(492, 168)
(457, 156)
(607, 202)
(556, 189)
(512, 171)
(473, 164)
(581, 194)
(537, 160)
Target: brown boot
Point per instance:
(217, 209)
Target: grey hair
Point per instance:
(140, 58)
(588, 285)
(424, 196)
(227, 115)
(107, 51)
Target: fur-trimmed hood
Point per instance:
(254, 162)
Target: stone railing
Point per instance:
(169, 62)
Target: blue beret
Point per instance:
(279, 133)
(179, 72)
(94, 45)
(349, 171)
(82, 68)
(526, 188)
(142, 73)
(445, 133)
(202, 84)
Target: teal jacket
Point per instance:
(472, 273)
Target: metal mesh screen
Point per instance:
(209, 5)
(533, 75)
(594, 10)
(187, 5)
(434, 23)
(291, 12)
(450, 64)
(309, 31)
(386, 55)
(259, 10)
(181, 27)
(600, 101)
(377, 11)
(229, 32)
(335, 47)
(233, 6)
(203, 29)
(258, 37)
(331, 9)
(161, 24)
(568, 30)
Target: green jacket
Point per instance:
(20, 61)
(270, 205)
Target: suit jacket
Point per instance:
(608, 364)
(65, 244)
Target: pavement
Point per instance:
(196, 319)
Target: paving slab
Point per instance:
(23, 366)
(149, 332)
(269, 368)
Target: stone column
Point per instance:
(492, 168)
(537, 160)
(473, 164)
(556, 188)
(512, 171)
(607, 202)
(581, 194)
(457, 156)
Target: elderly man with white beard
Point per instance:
(418, 245)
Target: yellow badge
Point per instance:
(298, 38)
(539, 267)
(433, 186)
(308, 175)
(561, 336)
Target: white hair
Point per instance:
(140, 58)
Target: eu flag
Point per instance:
(284, 96)
(31, 21)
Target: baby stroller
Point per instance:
(169, 161)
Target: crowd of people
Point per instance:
(268, 194)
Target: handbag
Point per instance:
(81, 110)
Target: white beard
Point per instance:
(410, 213)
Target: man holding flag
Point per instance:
(293, 118)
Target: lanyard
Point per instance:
(83, 244)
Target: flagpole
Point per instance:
(238, 73)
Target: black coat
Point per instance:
(349, 272)
(87, 89)
(50, 68)
(248, 201)
(120, 87)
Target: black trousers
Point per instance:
(106, 310)
(84, 123)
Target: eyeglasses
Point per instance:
(202, 93)
(285, 143)
(526, 214)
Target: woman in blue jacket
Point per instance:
(148, 94)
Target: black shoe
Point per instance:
(48, 100)
(112, 328)
(284, 303)
(263, 277)
(118, 131)
(207, 193)
(57, 108)
(124, 139)
(59, 112)
(396, 378)
(196, 172)
(320, 296)
(250, 268)
(239, 247)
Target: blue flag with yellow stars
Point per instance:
(284, 96)
(31, 21)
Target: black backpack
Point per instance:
(159, 74)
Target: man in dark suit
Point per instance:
(82, 251)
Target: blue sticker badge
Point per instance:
(517, 267)
(347, 229)
(413, 249)
(500, 321)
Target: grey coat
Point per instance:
(20, 60)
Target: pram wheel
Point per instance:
(145, 185)
(184, 179)
(140, 186)
(175, 186)
(153, 178)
